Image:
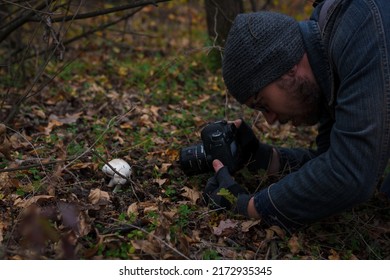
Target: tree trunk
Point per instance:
(220, 15)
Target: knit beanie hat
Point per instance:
(260, 48)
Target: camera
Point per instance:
(218, 142)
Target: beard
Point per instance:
(307, 94)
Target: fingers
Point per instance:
(211, 186)
(217, 165)
(237, 122)
(223, 176)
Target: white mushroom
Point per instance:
(121, 167)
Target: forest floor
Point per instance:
(142, 97)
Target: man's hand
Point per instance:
(222, 191)
(253, 153)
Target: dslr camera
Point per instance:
(218, 142)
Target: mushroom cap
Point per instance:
(119, 165)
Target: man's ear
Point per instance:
(290, 73)
(293, 71)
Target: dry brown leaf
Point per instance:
(55, 121)
(164, 167)
(52, 124)
(154, 110)
(333, 255)
(84, 224)
(202, 99)
(170, 214)
(2, 226)
(126, 125)
(192, 195)
(245, 226)
(145, 121)
(132, 209)
(5, 144)
(279, 232)
(173, 155)
(99, 197)
(294, 245)
(4, 180)
(145, 204)
(160, 182)
(146, 246)
(159, 141)
(24, 203)
(82, 165)
(227, 253)
(38, 112)
(269, 234)
(151, 208)
(225, 227)
(119, 139)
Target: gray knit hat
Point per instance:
(260, 48)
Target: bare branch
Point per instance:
(34, 15)
(104, 11)
(19, 21)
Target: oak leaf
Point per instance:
(192, 195)
(225, 228)
(99, 197)
(294, 245)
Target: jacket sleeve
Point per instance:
(347, 172)
(292, 159)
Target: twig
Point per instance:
(31, 16)
(19, 21)
(101, 27)
(29, 93)
(104, 11)
(26, 167)
(35, 10)
(21, 135)
(109, 125)
(368, 245)
(93, 144)
(159, 239)
(222, 11)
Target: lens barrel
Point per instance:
(193, 160)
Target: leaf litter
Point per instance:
(143, 106)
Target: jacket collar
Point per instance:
(318, 57)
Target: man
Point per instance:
(336, 74)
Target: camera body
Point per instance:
(218, 142)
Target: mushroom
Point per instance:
(121, 167)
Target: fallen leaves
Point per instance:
(294, 245)
(225, 228)
(247, 225)
(56, 121)
(191, 194)
(5, 145)
(154, 111)
(2, 227)
(25, 203)
(160, 182)
(99, 198)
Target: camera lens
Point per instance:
(193, 160)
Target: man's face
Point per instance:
(290, 98)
